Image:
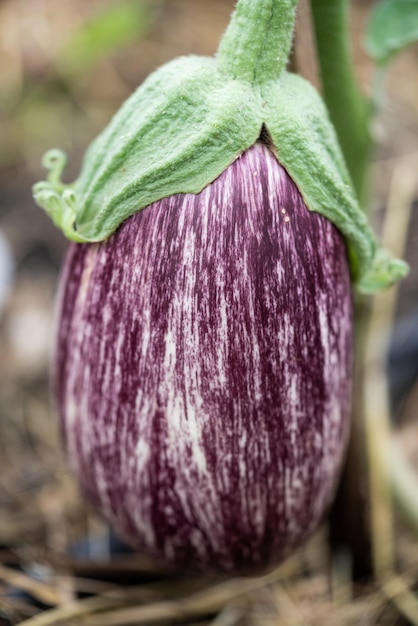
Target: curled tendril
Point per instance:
(56, 198)
(54, 161)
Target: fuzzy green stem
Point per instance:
(256, 45)
(349, 110)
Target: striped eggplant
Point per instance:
(204, 369)
(203, 361)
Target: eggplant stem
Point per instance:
(256, 45)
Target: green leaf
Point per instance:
(177, 133)
(393, 26)
(307, 147)
(111, 29)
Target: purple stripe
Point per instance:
(204, 370)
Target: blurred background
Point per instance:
(65, 68)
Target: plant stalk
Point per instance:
(350, 114)
(349, 110)
(256, 45)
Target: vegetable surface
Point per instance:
(203, 370)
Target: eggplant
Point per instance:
(203, 370)
(204, 351)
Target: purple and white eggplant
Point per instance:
(204, 368)
(203, 362)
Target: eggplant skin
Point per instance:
(203, 370)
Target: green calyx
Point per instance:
(193, 117)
